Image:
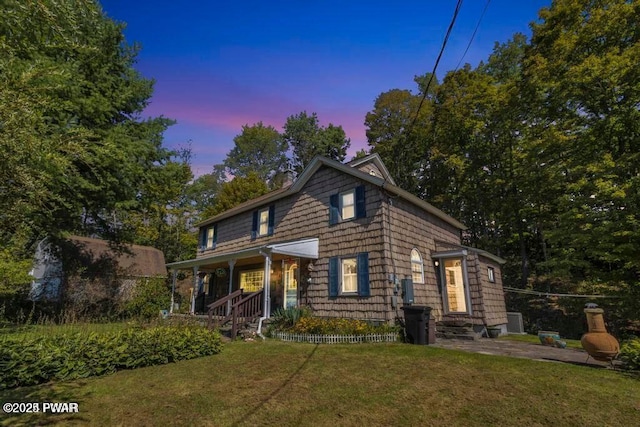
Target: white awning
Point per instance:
(304, 248)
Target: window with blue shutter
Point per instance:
(272, 215)
(334, 209)
(349, 276)
(333, 277)
(347, 205)
(361, 207)
(254, 225)
(203, 238)
(363, 274)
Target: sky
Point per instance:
(219, 65)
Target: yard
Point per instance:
(275, 383)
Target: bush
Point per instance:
(285, 319)
(630, 354)
(31, 359)
(315, 325)
(148, 297)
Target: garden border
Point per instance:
(337, 339)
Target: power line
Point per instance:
(548, 294)
(435, 66)
(486, 6)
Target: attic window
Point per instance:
(347, 205)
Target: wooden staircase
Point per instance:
(236, 310)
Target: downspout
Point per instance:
(174, 274)
(267, 292)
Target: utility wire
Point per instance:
(547, 294)
(435, 66)
(486, 6)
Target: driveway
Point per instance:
(520, 349)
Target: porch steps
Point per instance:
(456, 331)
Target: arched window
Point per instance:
(417, 268)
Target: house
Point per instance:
(79, 261)
(344, 240)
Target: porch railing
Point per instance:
(237, 307)
(246, 310)
(220, 311)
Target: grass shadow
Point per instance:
(272, 395)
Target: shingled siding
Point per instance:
(492, 293)
(411, 227)
(306, 215)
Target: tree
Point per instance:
(260, 149)
(397, 131)
(237, 191)
(307, 139)
(584, 85)
(74, 150)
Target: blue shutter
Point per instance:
(334, 209)
(254, 225)
(333, 277)
(363, 274)
(215, 235)
(203, 238)
(272, 212)
(361, 209)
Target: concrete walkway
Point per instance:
(540, 352)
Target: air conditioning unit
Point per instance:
(514, 323)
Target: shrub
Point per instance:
(31, 359)
(284, 319)
(630, 354)
(148, 297)
(315, 325)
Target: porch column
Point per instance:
(232, 263)
(194, 293)
(174, 276)
(267, 284)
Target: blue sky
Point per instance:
(220, 65)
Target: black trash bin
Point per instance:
(415, 323)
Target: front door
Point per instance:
(291, 277)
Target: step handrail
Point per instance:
(222, 307)
(248, 308)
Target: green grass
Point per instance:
(533, 339)
(276, 383)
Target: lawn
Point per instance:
(533, 339)
(276, 383)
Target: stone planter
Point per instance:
(598, 342)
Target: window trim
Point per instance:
(259, 232)
(341, 204)
(491, 273)
(208, 243)
(341, 276)
(416, 262)
(336, 277)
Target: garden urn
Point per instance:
(598, 342)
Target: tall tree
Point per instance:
(238, 190)
(260, 149)
(74, 149)
(307, 139)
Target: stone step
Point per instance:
(457, 336)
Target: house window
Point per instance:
(417, 268)
(263, 226)
(455, 286)
(209, 237)
(349, 270)
(347, 205)
(252, 280)
(349, 276)
(492, 274)
(263, 222)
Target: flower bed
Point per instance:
(336, 339)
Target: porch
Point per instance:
(245, 285)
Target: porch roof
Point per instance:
(304, 248)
